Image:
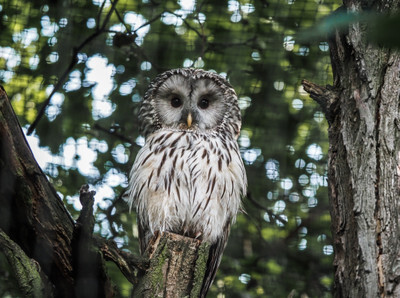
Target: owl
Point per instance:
(189, 177)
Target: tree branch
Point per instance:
(33, 216)
(74, 61)
(31, 213)
(177, 267)
(87, 258)
(125, 261)
(114, 133)
(326, 97)
(270, 213)
(31, 279)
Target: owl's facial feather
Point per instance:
(178, 96)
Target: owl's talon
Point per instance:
(198, 235)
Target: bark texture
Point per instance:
(31, 280)
(178, 265)
(53, 256)
(31, 213)
(362, 109)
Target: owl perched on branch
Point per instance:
(189, 176)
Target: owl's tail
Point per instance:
(214, 259)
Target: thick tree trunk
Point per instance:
(362, 109)
(31, 213)
(53, 256)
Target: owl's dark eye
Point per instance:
(176, 102)
(203, 103)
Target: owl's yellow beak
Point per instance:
(189, 120)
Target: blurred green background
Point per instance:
(88, 134)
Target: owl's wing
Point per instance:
(214, 259)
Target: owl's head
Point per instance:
(190, 99)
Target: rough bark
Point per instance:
(53, 256)
(32, 281)
(362, 109)
(31, 213)
(178, 265)
(90, 277)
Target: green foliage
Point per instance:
(89, 131)
(379, 27)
